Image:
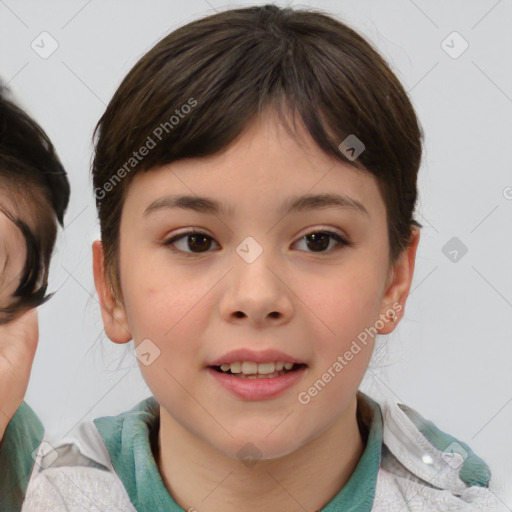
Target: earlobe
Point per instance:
(399, 284)
(112, 311)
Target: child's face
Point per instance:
(13, 255)
(309, 299)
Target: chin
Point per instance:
(251, 449)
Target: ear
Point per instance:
(399, 283)
(112, 311)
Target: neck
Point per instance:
(199, 477)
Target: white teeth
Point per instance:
(249, 367)
(266, 368)
(235, 367)
(252, 368)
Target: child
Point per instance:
(260, 132)
(34, 194)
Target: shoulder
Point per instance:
(77, 473)
(70, 488)
(424, 468)
(22, 437)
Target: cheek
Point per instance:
(341, 304)
(346, 306)
(166, 305)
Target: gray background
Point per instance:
(451, 356)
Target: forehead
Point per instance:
(12, 242)
(265, 166)
(15, 198)
(25, 200)
(12, 258)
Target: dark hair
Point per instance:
(230, 65)
(38, 194)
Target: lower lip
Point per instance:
(260, 388)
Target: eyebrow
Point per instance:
(294, 204)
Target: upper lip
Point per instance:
(264, 356)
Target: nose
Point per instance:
(257, 293)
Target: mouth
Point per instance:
(251, 381)
(253, 370)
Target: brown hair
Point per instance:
(230, 65)
(35, 194)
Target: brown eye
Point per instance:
(200, 242)
(192, 242)
(197, 242)
(319, 241)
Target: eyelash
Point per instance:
(342, 241)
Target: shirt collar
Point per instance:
(358, 493)
(130, 437)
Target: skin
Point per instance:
(12, 259)
(18, 337)
(188, 307)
